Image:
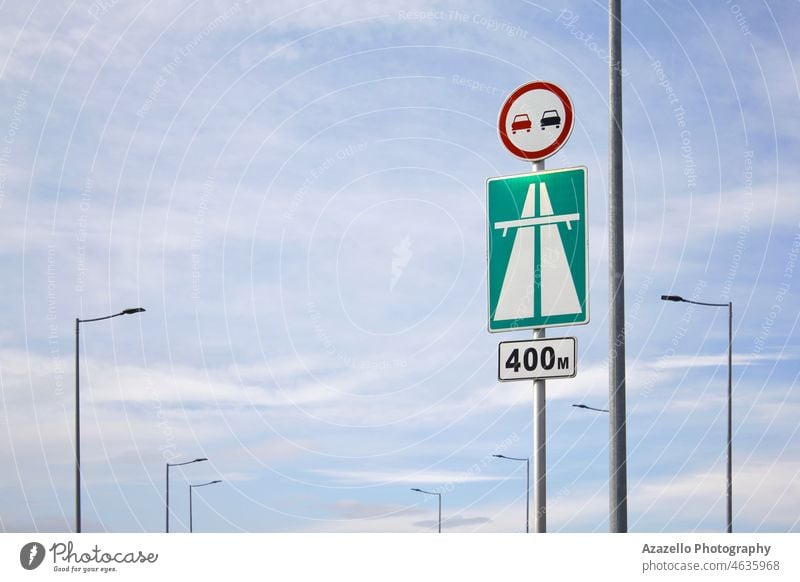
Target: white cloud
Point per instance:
(409, 477)
(766, 498)
(681, 362)
(352, 509)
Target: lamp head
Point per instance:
(671, 298)
(132, 310)
(198, 460)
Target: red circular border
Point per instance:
(560, 140)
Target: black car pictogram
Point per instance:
(550, 117)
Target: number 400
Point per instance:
(531, 359)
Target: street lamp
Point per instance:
(583, 406)
(729, 476)
(190, 498)
(527, 486)
(177, 465)
(78, 323)
(439, 495)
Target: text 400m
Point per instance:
(531, 359)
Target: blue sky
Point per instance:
(296, 194)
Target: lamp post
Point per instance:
(527, 486)
(78, 323)
(729, 476)
(190, 498)
(439, 495)
(177, 465)
(584, 407)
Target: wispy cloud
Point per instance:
(413, 477)
(682, 362)
(766, 498)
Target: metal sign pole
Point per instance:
(539, 436)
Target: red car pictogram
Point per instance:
(520, 122)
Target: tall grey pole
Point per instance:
(167, 528)
(527, 487)
(730, 420)
(439, 495)
(78, 322)
(618, 486)
(191, 488)
(77, 427)
(200, 460)
(539, 451)
(729, 468)
(440, 512)
(527, 495)
(539, 436)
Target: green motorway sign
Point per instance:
(538, 247)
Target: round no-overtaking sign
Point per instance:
(536, 120)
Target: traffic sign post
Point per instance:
(537, 243)
(533, 359)
(538, 250)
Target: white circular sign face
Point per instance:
(536, 120)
